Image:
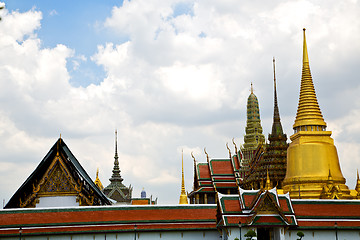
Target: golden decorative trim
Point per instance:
(59, 176)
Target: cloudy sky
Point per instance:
(168, 75)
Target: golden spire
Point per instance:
(312, 159)
(357, 187)
(97, 181)
(308, 112)
(183, 196)
(268, 184)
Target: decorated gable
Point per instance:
(59, 180)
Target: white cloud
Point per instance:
(53, 13)
(16, 26)
(178, 81)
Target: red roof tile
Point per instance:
(334, 208)
(329, 224)
(107, 215)
(225, 185)
(221, 167)
(232, 205)
(284, 204)
(204, 172)
(248, 199)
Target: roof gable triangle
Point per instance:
(267, 204)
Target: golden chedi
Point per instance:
(313, 169)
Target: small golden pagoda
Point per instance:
(313, 168)
(97, 180)
(183, 195)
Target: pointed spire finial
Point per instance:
(276, 109)
(274, 73)
(305, 53)
(268, 184)
(276, 127)
(308, 112)
(357, 187)
(116, 170)
(252, 89)
(183, 196)
(116, 152)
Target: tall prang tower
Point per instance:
(313, 168)
(268, 163)
(116, 190)
(274, 160)
(253, 133)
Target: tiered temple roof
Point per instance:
(217, 175)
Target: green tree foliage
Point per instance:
(300, 235)
(250, 234)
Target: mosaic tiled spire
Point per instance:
(116, 177)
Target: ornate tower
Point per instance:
(183, 196)
(312, 160)
(275, 155)
(116, 190)
(253, 131)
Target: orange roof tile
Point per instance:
(326, 208)
(220, 167)
(107, 214)
(232, 205)
(204, 172)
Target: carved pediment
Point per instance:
(57, 182)
(267, 207)
(58, 176)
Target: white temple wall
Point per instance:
(195, 235)
(57, 201)
(158, 235)
(323, 234)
